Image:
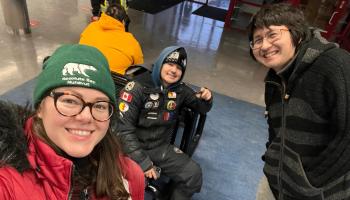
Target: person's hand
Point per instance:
(151, 173)
(204, 93)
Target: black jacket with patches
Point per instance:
(148, 114)
(13, 143)
(308, 151)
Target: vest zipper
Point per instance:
(71, 183)
(283, 130)
(85, 194)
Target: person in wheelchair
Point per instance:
(149, 107)
(108, 35)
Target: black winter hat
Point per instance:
(179, 56)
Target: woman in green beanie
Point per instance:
(65, 148)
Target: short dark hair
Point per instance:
(117, 12)
(282, 14)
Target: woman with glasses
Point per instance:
(307, 96)
(65, 149)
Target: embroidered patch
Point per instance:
(126, 96)
(130, 86)
(172, 95)
(166, 116)
(171, 105)
(152, 115)
(154, 96)
(155, 104)
(123, 107)
(148, 105)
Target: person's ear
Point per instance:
(39, 110)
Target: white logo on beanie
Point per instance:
(72, 68)
(72, 74)
(174, 56)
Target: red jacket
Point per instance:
(49, 175)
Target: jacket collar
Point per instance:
(48, 165)
(13, 143)
(23, 150)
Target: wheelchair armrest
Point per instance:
(135, 70)
(121, 80)
(192, 124)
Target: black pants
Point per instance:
(178, 166)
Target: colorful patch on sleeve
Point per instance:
(171, 105)
(172, 95)
(126, 96)
(166, 116)
(123, 107)
(130, 86)
(169, 116)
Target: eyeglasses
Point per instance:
(70, 105)
(271, 36)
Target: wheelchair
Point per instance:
(185, 135)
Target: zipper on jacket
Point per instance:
(282, 89)
(85, 194)
(283, 129)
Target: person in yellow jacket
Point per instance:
(109, 36)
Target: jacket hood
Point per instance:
(107, 22)
(13, 142)
(157, 67)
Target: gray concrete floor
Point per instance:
(218, 58)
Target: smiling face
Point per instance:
(171, 73)
(274, 55)
(78, 135)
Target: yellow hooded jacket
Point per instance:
(120, 48)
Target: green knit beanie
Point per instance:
(75, 65)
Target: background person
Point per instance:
(108, 35)
(307, 96)
(65, 149)
(99, 6)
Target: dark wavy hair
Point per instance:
(281, 14)
(102, 172)
(117, 12)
